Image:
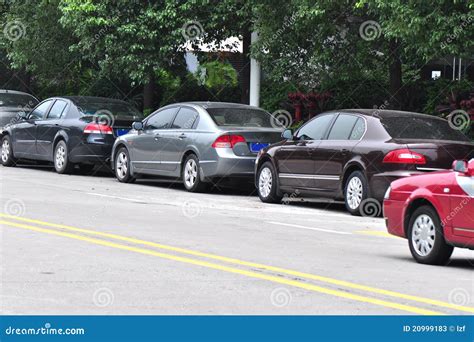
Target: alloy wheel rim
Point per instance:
(354, 193)
(60, 156)
(122, 165)
(5, 150)
(265, 182)
(423, 235)
(190, 173)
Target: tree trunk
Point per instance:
(149, 93)
(395, 71)
(245, 72)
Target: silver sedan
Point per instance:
(199, 142)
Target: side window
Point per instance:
(316, 128)
(38, 112)
(161, 120)
(57, 109)
(185, 118)
(342, 128)
(358, 130)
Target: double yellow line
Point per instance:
(72, 233)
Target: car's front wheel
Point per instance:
(191, 175)
(267, 185)
(61, 158)
(7, 152)
(425, 237)
(122, 166)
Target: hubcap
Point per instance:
(5, 150)
(60, 157)
(354, 193)
(121, 165)
(265, 182)
(190, 173)
(423, 235)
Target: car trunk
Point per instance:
(255, 139)
(120, 126)
(439, 154)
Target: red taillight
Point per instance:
(96, 128)
(228, 141)
(404, 156)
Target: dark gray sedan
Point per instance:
(199, 142)
(12, 103)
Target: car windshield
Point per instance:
(423, 128)
(17, 100)
(241, 117)
(119, 110)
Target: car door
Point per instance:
(294, 159)
(24, 134)
(462, 206)
(174, 140)
(148, 145)
(48, 127)
(335, 151)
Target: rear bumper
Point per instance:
(228, 165)
(380, 182)
(92, 152)
(393, 215)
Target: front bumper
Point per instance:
(393, 215)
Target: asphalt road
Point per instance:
(74, 244)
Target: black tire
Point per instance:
(267, 184)
(85, 169)
(7, 157)
(61, 161)
(122, 166)
(440, 251)
(191, 175)
(359, 178)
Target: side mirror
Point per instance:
(470, 168)
(460, 166)
(287, 134)
(137, 125)
(22, 115)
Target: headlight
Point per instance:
(387, 193)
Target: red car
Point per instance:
(434, 211)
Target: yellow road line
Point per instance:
(251, 274)
(255, 265)
(376, 233)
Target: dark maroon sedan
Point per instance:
(355, 154)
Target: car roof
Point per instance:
(8, 91)
(209, 104)
(386, 113)
(89, 99)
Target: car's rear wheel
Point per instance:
(355, 192)
(191, 175)
(122, 166)
(61, 158)
(7, 152)
(267, 185)
(425, 237)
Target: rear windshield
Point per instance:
(17, 100)
(421, 128)
(242, 117)
(118, 110)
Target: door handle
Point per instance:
(157, 136)
(182, 136)
(345, 151)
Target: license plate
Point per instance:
(256, 147)
(121, 131)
